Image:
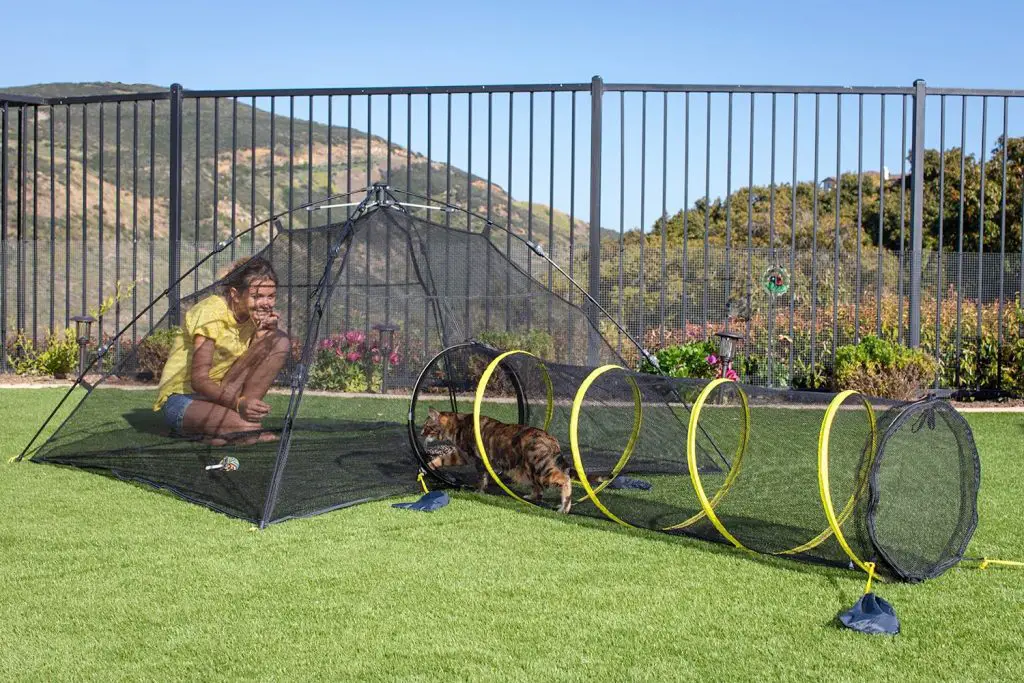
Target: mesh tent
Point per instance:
(835, 478)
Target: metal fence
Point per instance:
(893, 211)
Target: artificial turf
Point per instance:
(107, 580)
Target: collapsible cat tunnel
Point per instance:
(836, 478)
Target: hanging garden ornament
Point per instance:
(775, 280)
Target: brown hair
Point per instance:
(245, 270)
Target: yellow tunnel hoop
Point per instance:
(574, 445)
(574, 439)
(481, 388)
(734, 468)
(851, 504)
(823, 480)
(691, 458)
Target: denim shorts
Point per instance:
(174, 410)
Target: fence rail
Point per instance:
(891, 210)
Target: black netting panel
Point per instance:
(924, 491)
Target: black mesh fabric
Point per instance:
(395, 278)
(924, 491)
(766, 461)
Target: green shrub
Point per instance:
(22, 355)
(154, 350)
(685, 360)
(60, 357)
(537, 342)
(882, 368)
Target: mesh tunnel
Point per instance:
(833, 478)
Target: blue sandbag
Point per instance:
(871, 614)
(428, 502)
(622, 482)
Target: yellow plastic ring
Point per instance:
(823, 480)
(481, 388)
(691, 455)
(574, 445)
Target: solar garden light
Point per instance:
(83, 333)
(385, 350)
(726, 347)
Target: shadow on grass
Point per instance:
(831, 572)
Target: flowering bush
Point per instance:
(348, 362)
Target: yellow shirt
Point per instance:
(211, 317)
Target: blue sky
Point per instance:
(320, 43)
(257, 44)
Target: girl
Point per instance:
(229, 352)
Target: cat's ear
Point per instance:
(434, 415)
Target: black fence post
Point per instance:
(917, 212)
(174, 233)
(594, 257)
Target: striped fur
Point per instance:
(528, 455)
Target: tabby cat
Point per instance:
(529, 455)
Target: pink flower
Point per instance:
(712, 359)
(376, 358)
(394, 358)
(354, 337)
(354, 356)
(730, 374)
(325, 344)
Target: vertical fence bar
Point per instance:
(529, 210)
(729, 301)
(1005, 143)
(917, 216)
(53, 225)
(551, 206)
(981, 228)
(216, 178)
(197, 195)
(642, 326)
(490, 208)
(860, 214)
(705, 298)
(664, 219)
(572, 205)
(174, 232)
(67, 216)
(750, 221)
(837, 247)
(3, 233)
(814, 233)
(622, 217)
(117, 226)
(594, 259)
(900, 286)
(771, 250)
(882, 180)
(85, 205)
(99, 221)
(152, 207)
(960, 240)
(135, 219)
(234, 171)
(35, 219)
(792, 238)
(20, 221)
(941, 237)
(686, 210)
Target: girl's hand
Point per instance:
(253, 410)
(266, 322)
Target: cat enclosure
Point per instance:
(414, 305)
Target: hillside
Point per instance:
(261, 171)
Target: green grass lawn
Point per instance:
(108, 580)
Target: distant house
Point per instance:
(828, 184)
